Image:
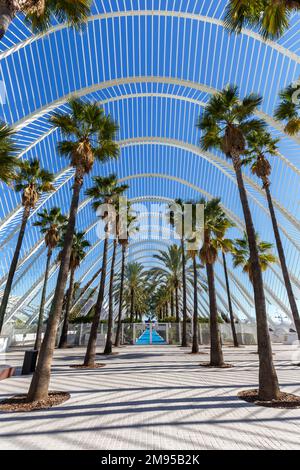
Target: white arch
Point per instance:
(136, 79)
(161, 13)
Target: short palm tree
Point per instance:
(105, 192)
(79, 247)
(215, 226)
(51, 223)
(242, 256)
(177, 221)
(288, 110)
(271, 17)
(261, 146)
(227, 123)
(38, 13)
(161, 300)
(89, 136)
(132, 227)
(8, 162)
(171, 272)
(134, 284)
(31, 180)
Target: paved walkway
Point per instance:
(155, 398)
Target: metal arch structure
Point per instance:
(145, 13)
(129, 60)
(64, 177)
(35, 289)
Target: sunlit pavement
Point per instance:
(154, 397)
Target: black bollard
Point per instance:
(29, 362)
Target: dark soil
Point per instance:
(285, 400)
(223, 366)
(81, 366)
(19, 403)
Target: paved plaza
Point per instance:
(154, 397)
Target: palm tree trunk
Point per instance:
(216, 354)
(40, 381)
(38, 339)
(63, 342)
(118, 332)
(172, 304)
(13, 267)
(7, 13)
(184, 312)
(108, 345)
(131, 305)
(195, 346)
(285, 272)
(177, 305)
(234, 335)
(90, 355)
(268, 381)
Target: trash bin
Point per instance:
(29, 362)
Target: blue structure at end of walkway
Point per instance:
(145, 338)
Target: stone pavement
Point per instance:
(155, 397)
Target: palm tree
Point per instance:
(242, 256)
(108, 345)
(271, 17)
(261, 145)
(288, 110)
(177, 221)
(51, 223)
(38, 13)
(79, 246)
(226, 123)
(8, 163)
(134, 286)
(215, 226)
(31, 180)
(89, 135)
(171, 273)
(105, 192)
(124, 241)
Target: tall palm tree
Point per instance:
(51, 223)
(242, 256)
(124, 241)
(89, 135)
(215, 226)
(171, 272)
(177, 221)
(31, 180)
(271, 17)
(108, 344)
(38, 13)
(105, 192)
(79, 247)
(262, 145)
(226, 123)
(288, 110)
(8, 162)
